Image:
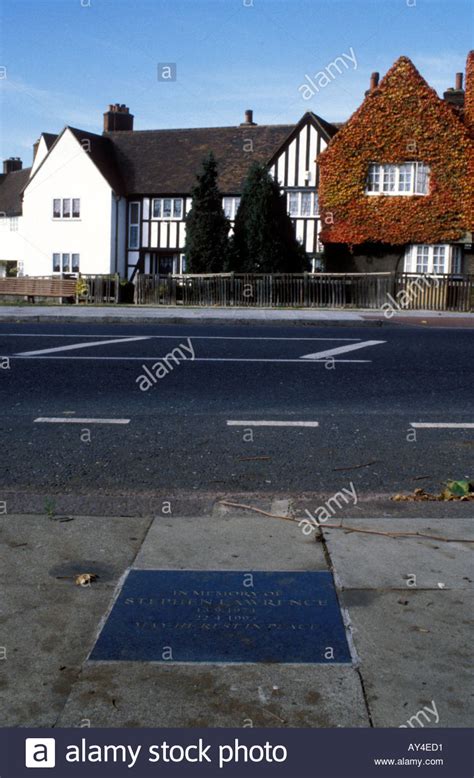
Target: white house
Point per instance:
(117, 202)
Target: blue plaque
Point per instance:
(221, 616)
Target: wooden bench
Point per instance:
(32, 287)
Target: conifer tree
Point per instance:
(207, 228)
(264, 239)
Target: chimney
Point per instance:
(455, 96)
(469, 94)
(374, 82)
(249, 122)
(35, 148)
(118, 118)
(11, 165)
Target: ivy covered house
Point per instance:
(397, 181)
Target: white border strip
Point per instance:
(449, 425)
(264, 423)
(75, 420)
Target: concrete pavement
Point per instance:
(410, 635)
(202, 315)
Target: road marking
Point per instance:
(164, 337)
(190, 361)
(80, 345)
(264, 423)
(449, 425)
(60, 420)
(342, 349)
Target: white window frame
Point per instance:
(61, 201)
(388, 179)
(133, 225)
(172, 216)
(430, 253)
(61, 255)
(297, 195)
(230, 206)
(14, 223)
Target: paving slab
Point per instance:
(48, 623)
(130, 694)
(414, 647)
(226, 541)
(413, 635)
(364, 561)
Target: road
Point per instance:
(196, 427)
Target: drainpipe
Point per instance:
(117, 200)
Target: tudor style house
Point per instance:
(117, 202)
(397, 181)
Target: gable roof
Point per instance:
(49, 139)
(166, 161)
(325, 128)
(102, 154)
(11, 187)
(97, 147)
(402, 82)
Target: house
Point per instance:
(117, 202)
(396, 189)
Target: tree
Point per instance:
(207, 228)
(264, 238)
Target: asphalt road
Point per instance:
(176, 433)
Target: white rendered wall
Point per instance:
(68, 172)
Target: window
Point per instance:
(408, 178)
(62, 208)
(14, 224)
(167, 208)
(303, 203)
(231, 206)
(422, 259)
(457, 260)
(66, 263)
(440, 258)
(134, 225)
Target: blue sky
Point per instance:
(66, 60)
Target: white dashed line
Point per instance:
(265, 423)
(61, 420)
(449, 425)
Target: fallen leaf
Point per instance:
(85, 579)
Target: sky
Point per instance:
(63, 61)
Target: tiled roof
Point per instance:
(11, 187)
(102, 154)
(166, 161)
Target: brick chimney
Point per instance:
(248, 122)
(118, 118)
(374, 82)
(455, 96)
(469, 93)
(11, 165)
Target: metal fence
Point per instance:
(407, 291)
(98, 290)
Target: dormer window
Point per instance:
(407, 178)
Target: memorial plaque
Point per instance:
(220, 616)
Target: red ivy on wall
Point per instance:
(402, 120)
